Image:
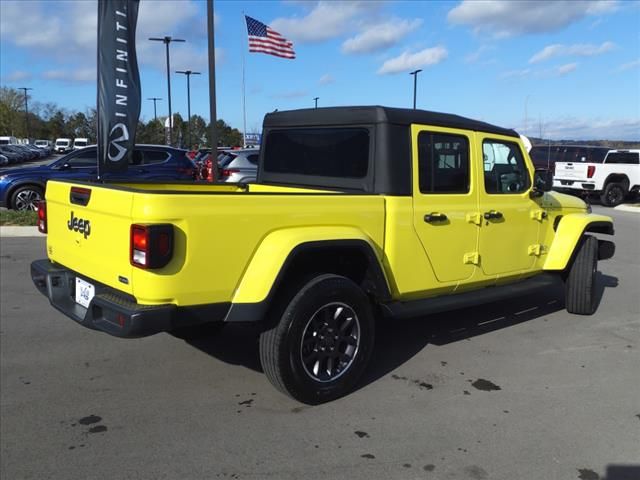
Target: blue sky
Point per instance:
(566, 69)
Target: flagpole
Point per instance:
(244, 100)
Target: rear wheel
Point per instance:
(27, 197)
(322, 342)
(580, 295)
(613, 194)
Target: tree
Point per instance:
(227, 136)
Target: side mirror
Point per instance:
(542, 182)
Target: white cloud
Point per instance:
(380, 36)
(517, 73)
(629, 65)
(501, 18)
(65, 32)
(69, 75)
(17, 76)
(409, 61)
(571, 128)
(326, 79)
(576, 50)
(325, 21)
(565, 69)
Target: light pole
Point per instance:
(26, 109)
(415, 85)
(188, 74)
(155, 112)
(167, 40)
(316, 100)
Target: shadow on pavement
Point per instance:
(397, 341)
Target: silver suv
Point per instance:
(239, 166)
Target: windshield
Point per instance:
(81, 143)
(41, 142)
(62, 143)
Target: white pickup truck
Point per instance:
(617, 176)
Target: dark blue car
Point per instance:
(22, 188)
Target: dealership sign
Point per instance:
(118, 83)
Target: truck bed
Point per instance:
(217, 229)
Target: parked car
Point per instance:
(546, 156)
(239, 166)
(12, 155)
(79, 143)
(20, 155)
(21, 189)
(9, 140)
(63, 145)
(4, 160)
(45, 145)
(614, 178)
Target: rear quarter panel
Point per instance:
(217, 236)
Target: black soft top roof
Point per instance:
(374, 115)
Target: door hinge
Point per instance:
(471, 258)
(538, 215)
(474, 218)
(536, 249)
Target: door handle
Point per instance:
(435, 217)
(492, 215)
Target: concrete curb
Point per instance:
(627, 208)
(20, 232)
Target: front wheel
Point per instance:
(580, 295)
(322, 342)
(27, 197)
(613, 195)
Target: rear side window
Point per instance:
(154, 156)
(86, 158)
(504, 168)
(253, 159)
(443, 163)
(326, 152)
(623, 157)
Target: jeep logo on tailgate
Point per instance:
(79, 225)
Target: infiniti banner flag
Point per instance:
(118, 84)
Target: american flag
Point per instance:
(264, 39)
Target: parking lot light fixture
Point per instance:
(167, 40)
(26, 109)
(155, 111)
(316, 100)
(188, 74)
(415, 85)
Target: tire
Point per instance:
(613, 194)
(580, 296)
(26, 197)
(322, 342)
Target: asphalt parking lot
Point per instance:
(512, 390)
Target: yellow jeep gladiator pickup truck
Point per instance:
(356, 212)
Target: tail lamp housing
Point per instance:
(591, 170)
(42, 216)
(151, 246)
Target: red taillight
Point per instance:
(42, 216)
(151, 245)
(227, 172)
(591, 169)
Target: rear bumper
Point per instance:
(114, 312)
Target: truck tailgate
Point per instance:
(571, 171)
(89, 231)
